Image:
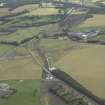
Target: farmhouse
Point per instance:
(83, 35)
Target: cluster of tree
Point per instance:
(100, 3)
(29, 21)
(26, 25)
(96, 41)
(67, 96)
(14, 43)
(13, 15)
(17, 43)
(74, 20)
(9, 30)
(27, 40)
(98, 10)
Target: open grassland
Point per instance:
(34, 9)
(88, 67)
(24, 67)
(20, 68)
(55, 49)
(96, 21)
(26, 20)
(4, 49)
(86, 64)
(29, 7)
(44, 11)
(21, 34)
(27, 93)
(4, 11)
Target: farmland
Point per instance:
(4, 48)
(15, 69)
(48, 11)
(27, 93)
(85, 62)
(87, 66)
(26, 25)
(97, 22)
(4, 11)
(80, 61)
(55, 49)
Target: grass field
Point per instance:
(56, 49)
(96, 21)
(29, 7)
(44, 11)
(27, 93)
(87, 65)
(4, 48)
(35, 10)
(20, 68)
(23, 67)
(21, 34)
(4, 11)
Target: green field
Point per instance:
(4, 49)
(20, 68)
(87, 65)
(24, 67)
(35, 10)
(27, 93)
(84, 62)
(97, 22)
(27, 19)
(29, 7)
(44, 11)
(20, 35)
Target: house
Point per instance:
(84, 36)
